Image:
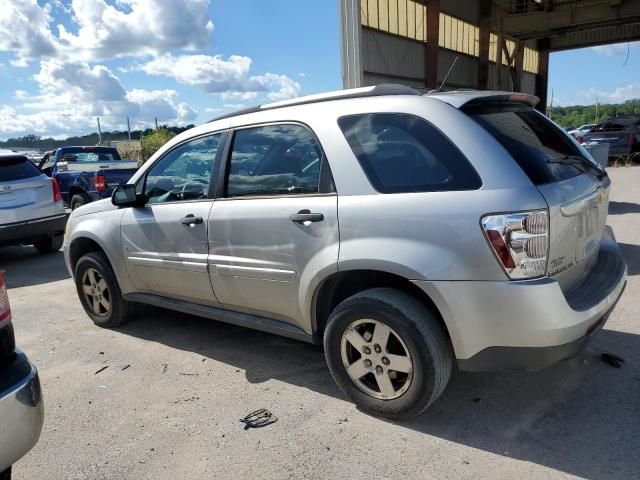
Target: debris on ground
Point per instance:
(188, 374)
(122, 368)
(101, 369)
(165, 367)
(259, 418)
(611, 359)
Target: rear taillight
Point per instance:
(580, 139)
(520, 242)
(5, 310)
(100, 183)
(57, 195)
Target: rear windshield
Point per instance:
(543, 150)
(17, 168)
(84, 156)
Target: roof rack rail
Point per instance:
(375, 91)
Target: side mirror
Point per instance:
(126, 196)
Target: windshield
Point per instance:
(543, 150)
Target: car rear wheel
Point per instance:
(50, 244)
(99, 291)
(388, 353)
(78, 200)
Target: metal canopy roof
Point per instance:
(565, 24)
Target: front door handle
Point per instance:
(306, 216)
(191, 220)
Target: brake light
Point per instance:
(100, 183)
(520, 242)
(5, 310)
(57, 195)
(580, 139)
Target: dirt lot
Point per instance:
(173, 413)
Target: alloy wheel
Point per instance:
(376, 359)
(96, 292)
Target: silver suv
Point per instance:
(406, 232)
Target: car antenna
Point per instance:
(444, 80)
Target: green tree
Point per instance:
(151, 142)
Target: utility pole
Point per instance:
(99, 132)
(129, 128)
(597, 101)
(156, 122)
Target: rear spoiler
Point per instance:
(506, 97)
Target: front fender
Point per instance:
(104, 230)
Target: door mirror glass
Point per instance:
(126, 196)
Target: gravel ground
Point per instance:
(173, 412)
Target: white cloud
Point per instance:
(104, 30)
(616, 48)
(619, 95)
(20, 94)
(229, 78)
(302, 74)
(71, 95)
(25, 31)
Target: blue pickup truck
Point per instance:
(86, 174)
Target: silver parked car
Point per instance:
(31, 209)
(405, 232)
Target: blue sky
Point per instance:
(64, 62)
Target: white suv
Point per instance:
(404, 231)
(31, 208)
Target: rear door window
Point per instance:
(543, 150)
(284, 159)
(404, 153)
(17, 168)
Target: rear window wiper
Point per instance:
(579, 161)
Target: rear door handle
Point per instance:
(306, 216)
(191, 220)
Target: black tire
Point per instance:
(51, 244)
(78, 200)
(6, 475)
(416, 326)
(120, 310)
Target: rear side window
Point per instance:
(404, 153)
(17, 168)
(543, 151)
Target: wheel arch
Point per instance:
(343, 284)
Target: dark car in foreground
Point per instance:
(21, 406)
(86, 174)
(622, 135)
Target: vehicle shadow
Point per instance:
(631, 253)
(579, 417)
(620, 208)
(24, 266)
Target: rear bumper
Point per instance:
(31, 231)
(526, 325)
(21, 410)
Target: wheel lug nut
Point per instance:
(385, 360)
(367, 363)
(367, 351)
(378, 369)
(377, 348)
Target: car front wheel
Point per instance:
(99, 291)
(388, 352)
